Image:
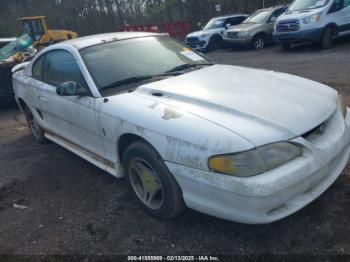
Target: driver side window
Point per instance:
(276, 14)
(61, 67)
(337, 5)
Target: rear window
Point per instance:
(38, 68)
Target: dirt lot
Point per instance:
(74, 208)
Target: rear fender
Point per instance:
(19, 67)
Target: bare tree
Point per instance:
(96, 16)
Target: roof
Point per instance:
(86, 41)
(7, 40)
(272, 8)
(31, 18)
(230, 15)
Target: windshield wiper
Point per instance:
(136, 79)
(187, 66)
(178, 70)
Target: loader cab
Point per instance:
(34, 26)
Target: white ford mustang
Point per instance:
(241, 144)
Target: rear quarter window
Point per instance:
(38, 68)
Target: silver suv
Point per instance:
(256, 31)
(210, 37)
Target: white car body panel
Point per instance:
(220, 95)
(215, 110)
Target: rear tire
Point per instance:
(34, 127)
(155, 188)
(327, 38)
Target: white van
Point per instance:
(313, 21)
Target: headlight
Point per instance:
(312, 18)
(243, 34)
(256, 161)
(204, 35)
(343, 106)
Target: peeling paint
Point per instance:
(171, 114)
(153, 106)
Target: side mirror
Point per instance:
(227, 26)
(71, 88)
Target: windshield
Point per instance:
(134, 58)
(215, 23)
(259, 17)
(299, 5)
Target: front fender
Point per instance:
(178, 136)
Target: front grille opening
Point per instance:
(192, 39)
(288, 26)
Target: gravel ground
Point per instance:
(73, 208)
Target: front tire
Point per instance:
(215, 42)
(155, 188)
(327, 38)
(34, 127)
(259, 42)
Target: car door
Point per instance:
(71, 118)
(36, 88)
(336, 14)
(345, 18)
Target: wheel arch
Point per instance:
(128, 139)
(22, 105)
(216, 35)
(261, 33)
(330, 25)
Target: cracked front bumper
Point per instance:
(275, 194)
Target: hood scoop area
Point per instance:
(159, 94)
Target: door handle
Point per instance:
(42, 99)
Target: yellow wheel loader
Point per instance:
(37, 29)
(37, 34)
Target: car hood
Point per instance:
(299, 14)
(199, 33)
(261, 106)
(243, 27)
